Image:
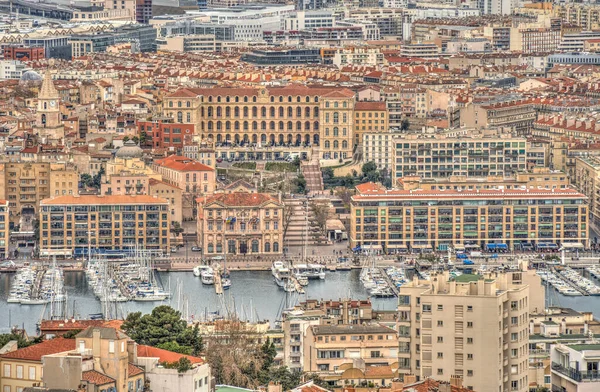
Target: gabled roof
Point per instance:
(96, 378)
(180, 163)
(37, 351)
(105, 333)
(239, 199)
(133, 370)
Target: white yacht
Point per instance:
(208, 276)
(199, 268)
(276, 266)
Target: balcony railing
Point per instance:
(576, 375)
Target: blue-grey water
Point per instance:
(253, 295)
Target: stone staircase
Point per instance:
(312, 174)
(298, 230)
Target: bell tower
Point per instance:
(48, 123)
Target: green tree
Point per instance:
(20, 338)
(176, 228)
(163, 325)
(125, 139)
(175, 347)
(269, 353)
(370, 172)
(281, 375)
(404, 125)
(296, 161)
(86, 180)
(135, 139)
(182, 366)
(300, 184)
(143, 137)
(328, 173)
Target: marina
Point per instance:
(557, 282)
(37, 285)
(579, 282)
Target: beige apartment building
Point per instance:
(4, 228)
(419, 220)
(471, 326)
(240, 223)
(256, 118)
(369, 117)
(173, 194)
(327, 347)
(71, 224)
(125, 183)
(575, 367)
(587, 180)
(477, 154)
(187, 174)
(518, 115)
(27, 183)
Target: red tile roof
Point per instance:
(179, 163)
(96, 378)
(133, 370)
(164, 355)
(370, 106)
(37, 351)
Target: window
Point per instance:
(376, 354)
(32, 372)
(440, 371)
(440, 323)
(426, 308)
(440, 307)
(470, 356)
(19, 371)
(469, 324)
(111, 347)
(469, 308)
(469, 340)
(470, 373)
(6, 370)
(440, 355)
(440, 339)
(6, 388)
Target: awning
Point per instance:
(421, 246)
(572, 245)
(371, 247)
(338, 232)
(471, 246)
(356, 249)
(397, 246)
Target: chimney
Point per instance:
(410, 379)
(531, 327)
(456, 381)
(585, 327)
(563, 326)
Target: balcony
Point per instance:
(576, 375)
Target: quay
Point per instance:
(389, 282)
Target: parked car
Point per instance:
(468, 262)
(196, 249)
(173, 249)
(219, 160)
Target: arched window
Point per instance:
(170, 104)
(307, 112)
(267, 246)
(254, 125)
(227, 111)
(263, 125)
(236, 126)
(289, 98)
(227, 125)
(188, 104)
(336, 144)
(253, 99)
(327, 104)
(307, 126)
(245, 125)
(201, 112)
(298, 126)
(272, 125)
(336, 117)
(327, 144)
(245, 111)
(272, 99)
(298, 111)
(254, 246)
(335, 104)
(316, 112)
(245, 99)
(290, 111)
(219, 247)
(307, 99)
(188, 117)
(290, 126)
(263, 112)
(281, 111)
(254, 111)
(316, 98)
(219, 111)
(344, 144)
(237, 99)
(316, 126)
(326, 131)
(275, 246)
(178, 104)
(272, 112)
(210, 248)
(236, 111)
(43, 119)
(209, 99)
(344, 117)
(179, 117)
(336, 131)
(210, 111)
(219, 125)
(210, 125)
(280, 98)
(281, 125)
(298, 98)
(345, 104)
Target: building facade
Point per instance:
(4, 228)
(471, 326)
(240, 223)
(434, 220)
(73, 224)
(190, 176)
(575, 367)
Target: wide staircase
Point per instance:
(311, 171)
(298, 229)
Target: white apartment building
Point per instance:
(358, 56)
(379, 148)
(302, 20)
(251, 21)
(575, 367)
(574, 42)
(11, 69)
(471, 326)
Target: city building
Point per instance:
(22, 53)
(165, 133)
(369, 117)
(338, 124)
(298, 57)
(518, 115)
(188, 175)
(587, 180)
(4, 228)
(73, 224)
(470, 326)
(575, 367)
(470, 154)
(27, 183)
(12, 69)
(240, 223)
(327, 347)
(49, 124)
(436, 219)
(173, 194)
(99, 360)
(22, 368)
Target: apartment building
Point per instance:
(173, 194)
(27, 183)
(4, 228)
(99, 360)
(471, 326)
(585, 15)
(518, 115)
(435, 219)
(369, 117)
(125, 183)
(327, 347)
(258, 119)
(315, 312)
(166, 133)
(240, 223)
(534, 39)
(575, 367)
(379, 148)
(358, 56)
(71, 224)
(187, 174)
(587, 180)
(472, 155)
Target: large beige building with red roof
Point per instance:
(240, 223)
(4, 228)
(189, 175)
(73, 224)
(296, 117)
(397, 220)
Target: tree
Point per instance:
(269, 353)
(175, 347)
(20, 338)
(300, 184)
(328, 174)
(163, 325)
(321, 212)
(344, 194)
(86, 180)
(143, 137)
(296, 161)
(176, 228)
(125, 139)
(97, 180)
(370, 172)
(135, 139)
(182, 366)
(404, 125)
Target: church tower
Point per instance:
(49, 123)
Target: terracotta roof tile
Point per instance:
(107, 199)
(37, 351)
(240, 199)
(133, 370)
(180, 163)
(370, 106)
(96, 378)
(164, 355)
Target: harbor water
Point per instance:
(253, 295)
